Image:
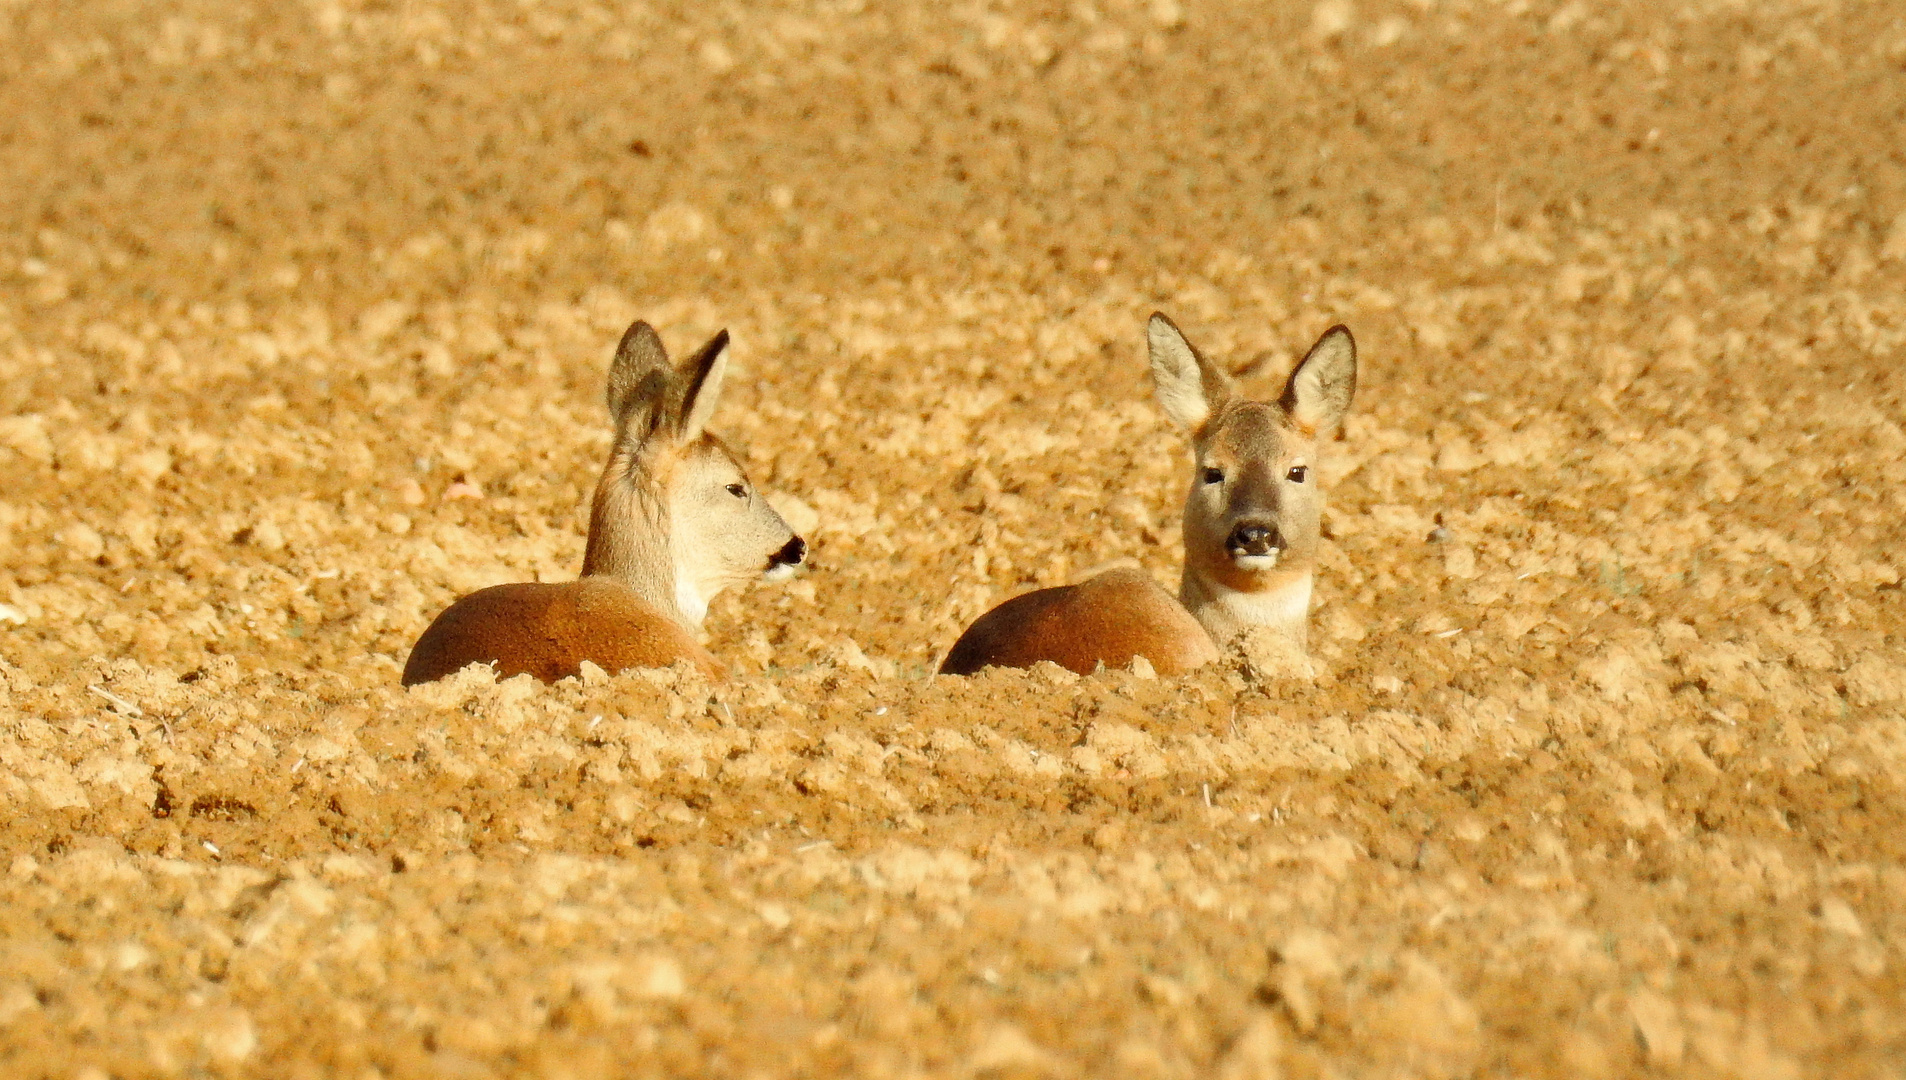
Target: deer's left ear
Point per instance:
(1318, 394)
(638, 382)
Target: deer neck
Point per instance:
(1275, 616)
(629, 527)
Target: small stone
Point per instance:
(1167, 14)
(718, 58)
(1838, 916)
(1052, 675)
(775, 915)
(660, 978)
(1005, 1048)
(1332, 18)
(83, 541)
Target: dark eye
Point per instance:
(737, 491)
(1297, 474)
(1214, 476)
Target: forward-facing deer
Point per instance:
(674, 522)
(1251, 531)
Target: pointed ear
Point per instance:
(638, 377)
(1189, 388)
(1319, 392)
(700, 377)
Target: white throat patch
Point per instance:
(689, 600)
(1283, 608)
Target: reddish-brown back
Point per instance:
(1105, 620)
(548, 630)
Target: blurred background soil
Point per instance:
(304, 315)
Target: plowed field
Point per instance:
(305, 311)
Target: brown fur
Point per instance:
(548, 630)
(1105, 620)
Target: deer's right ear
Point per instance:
(1189, 388)
(638, 377)
(1319, 391)
(700, 379)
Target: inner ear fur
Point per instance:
(698, 382)
(1319, 392)
(639, 358)
(1190, 388)
(647, 396)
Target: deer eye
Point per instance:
(1214, 476)
(1297, 474)
(737, 491)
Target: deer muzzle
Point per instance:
(1255, 545)
(781, 564)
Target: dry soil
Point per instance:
(304, 315)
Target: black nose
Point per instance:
(791, 553)
(1252, 538)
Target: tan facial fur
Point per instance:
(725, 532)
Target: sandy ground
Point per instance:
(304, 315)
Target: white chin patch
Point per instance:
(779, 572)
(1255, 562)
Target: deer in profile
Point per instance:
(1251, 530)
(674, 522)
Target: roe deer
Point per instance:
(1251, 531)
(674, 522)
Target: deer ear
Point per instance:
(1189, 388)
(1319, 392)
(700, 377)
(638, 378)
